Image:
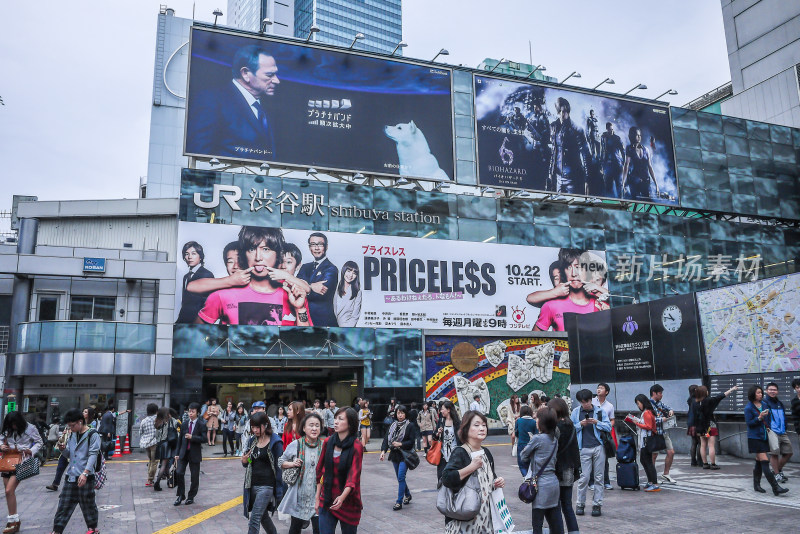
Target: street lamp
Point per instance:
(574, 74)
(265, 167)
(264, 23)
(488, 189)
(442, 52)
(357, 37)
(609, 81)
(669, 92)
(213, 162)
(638, 86)
(538, 67)
(217, 13)
(311, 31)
(311, 171)
(401, 44)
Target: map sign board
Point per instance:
(752, 327)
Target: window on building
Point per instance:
(92, 308)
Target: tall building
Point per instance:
(340, 20)
(764, 58)
(249, 14)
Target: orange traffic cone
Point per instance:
(127, 449)
(117, 452)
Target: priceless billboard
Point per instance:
(564, 141)
(253, 275)
(256, 99)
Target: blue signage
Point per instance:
(94, 265)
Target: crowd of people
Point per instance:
(304, 461)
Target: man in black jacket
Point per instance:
(190, 452)
(191, 303)
(571, 155)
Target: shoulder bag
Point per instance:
(9, 460)
(291, 475)
(462, 505)
(411, 458)
(27, 469)
(772, 439)
(527, 490)
(434, 454)
(655, 442)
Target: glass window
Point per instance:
(84, 308)
(760, 149)
(465, 171)
(588, 238)
(349, 195)
(477, 230)
(472, 207)
(464, 126)
(403, 200)
(515, 210)
(737, 146)
(81, 308)
(617, 220)
(619, 240)
(784, 154)
(397, 360)
(465, 149)
(796, 137)
(744, 204)
(713, 142)
(351, 225)
(709, 122)
(684, 118)
(551, 236)
(780, 134)
(551, 214)
(688, 157)
(758, 131)
(690, 177)
(583, 217)
(734, 126)
(718, 200)
(446, 229)
(646, 244)
(262, 193)
(766, 187)
(693, 198)
(742, 185)
(436, 203)
(201, 340)
(686, 137)
(717, 180)
(740, 165)
(698, 229)
(400, 228)
(462, 103)
(512, 233)
(714, 161)
(645, 223)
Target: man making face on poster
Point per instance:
(322, 276)
(263, 301)
(192, 301)
(574, 295)
(225, 122)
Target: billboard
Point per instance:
(258, 99)
(460, 367)
(255, 275)
(558, 140)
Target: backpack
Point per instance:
(626, 449)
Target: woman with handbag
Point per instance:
(17, 438)
(263, 484)
(212, 421)
(472, 460)
(540, 455)
(524, 428)
(168, 429)
(299, 463)
(447, 433)
(399, 438)
(706, 423)
(757, 419)
(568, 462)
(648, 439)
(338, 499)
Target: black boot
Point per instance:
(776, 489)
(757, 478)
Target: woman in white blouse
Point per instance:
(347, 300)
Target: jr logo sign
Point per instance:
(230, 193)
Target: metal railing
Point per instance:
(85, 336)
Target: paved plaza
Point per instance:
(723, 500)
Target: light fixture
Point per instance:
(401, 44)
(442, 52)
(401, 181)
(213, 161)
(217, 13)
(358, 176)
(632, 89)
(573, 74)
(488, 189)
(357, 37)
(538, 67)
(264, 23)
(311, 171)
(672, 92)
(311, 31)
(609, 81)
(490, 238)
(497, 65)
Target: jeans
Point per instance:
(592, 458)
(646, 458)
(228, 437)
(259, 517)
(565, 500)
(238, 442)
(400, 469)
(553, 516)
(62, 466)
(328, 522)
(296, 526)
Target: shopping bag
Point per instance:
(501, 515)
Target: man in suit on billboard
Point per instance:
(191, 303)
(233, 122)
(322, 276)
(190, 453)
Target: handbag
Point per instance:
(291, 475)
(528, 490)
(28, 468)
(609, 446)
(463, 505)
(9, 461)
(100, 475)
(772, 438)
(655, 443)
(434, 454)
(171, 475)
(411, 458)
(172, 434)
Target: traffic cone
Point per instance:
(127, 449)
(117, 452)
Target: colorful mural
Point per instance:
(459, 367)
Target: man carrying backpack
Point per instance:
(589, 421)
(82, 449)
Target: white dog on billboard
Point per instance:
(413, 152)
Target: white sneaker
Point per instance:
(668, 479)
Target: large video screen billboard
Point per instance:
(549, 139)
(257, 99)
(252, 275)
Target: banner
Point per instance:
(253, 275)
(257, 99)
(565, 141)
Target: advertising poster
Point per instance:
(633, 350)
(459, 367)
(256, 99)
(564, 141)
(253, 275)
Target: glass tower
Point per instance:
(340, 20)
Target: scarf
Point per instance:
(345, 462)
(396, 430)
(301, 453)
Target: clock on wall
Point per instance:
(672, 318)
